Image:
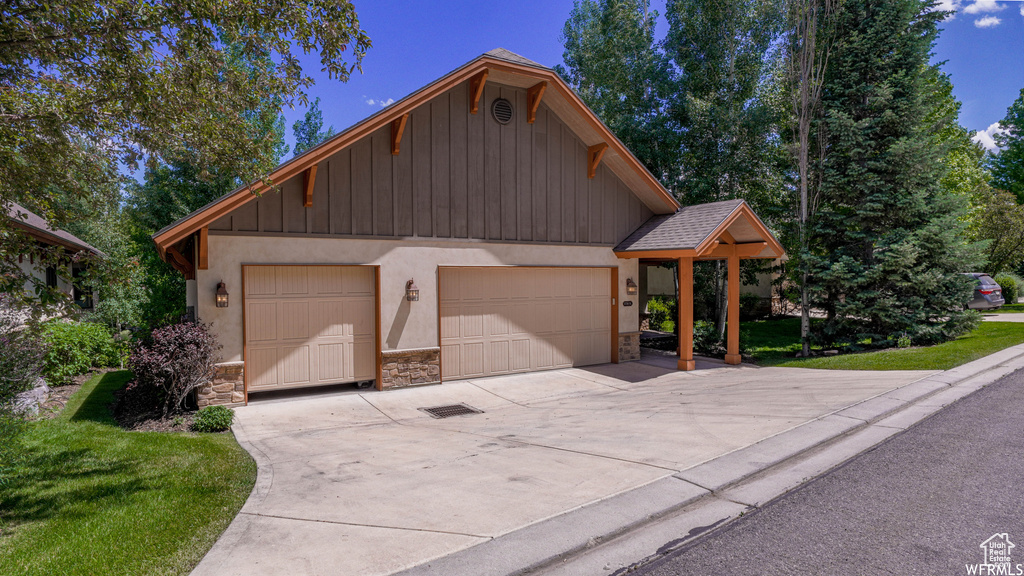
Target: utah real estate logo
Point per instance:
(997, 562)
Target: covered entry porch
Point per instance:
(728, 231)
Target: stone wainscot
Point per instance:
(629, 346)
(227, 387)
(401, 368)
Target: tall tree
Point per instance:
(809, 45)
(725, 56)
(614, 63)
(1007, 165)
(887, 239)
(309, 131)
(724, 53)
(151, 80)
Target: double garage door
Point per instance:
(309, 325)
(505, 320)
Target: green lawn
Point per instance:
(775, 342)
(1006, 308)
(91, 498)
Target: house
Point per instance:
(46, 236)
(485, 224)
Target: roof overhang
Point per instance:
(724, 230)
(559, 98)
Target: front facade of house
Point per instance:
(67, 279)
(467, 230)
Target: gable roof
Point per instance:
(695, 228)
(36, 226)
(503, 67)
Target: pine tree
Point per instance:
(1008, 164)
(887, 239)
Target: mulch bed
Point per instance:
(57, 400)
(59, 395)
(133, 411)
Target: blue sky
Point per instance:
(416, 42)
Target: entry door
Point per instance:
(505, 320)
(308, 325)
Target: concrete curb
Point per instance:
(592, 539)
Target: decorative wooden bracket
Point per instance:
(310, 180)
(594, 155)
(180, 263)
(476, 90)
(397, 129)
(204, 248)
(533, 96)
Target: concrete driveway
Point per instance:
(367, 484)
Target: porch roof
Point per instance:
(696, 232)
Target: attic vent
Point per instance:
(501, 109)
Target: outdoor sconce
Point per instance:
(630, 287)
(222, 295)
(412, 291)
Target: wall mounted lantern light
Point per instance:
(412, 291)
(222, 295)
(631, 289)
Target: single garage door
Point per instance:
(308, 325)
(505, 320)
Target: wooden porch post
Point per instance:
(685, 308)
(732, 347)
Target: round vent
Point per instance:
(501, 109)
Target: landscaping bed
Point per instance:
(89, 497)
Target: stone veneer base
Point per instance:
(402, 368)
(629, 346)
(227, 387)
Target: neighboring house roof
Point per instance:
(36, 226)
(694, 228)
(501, 67)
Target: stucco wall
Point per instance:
(404, 325)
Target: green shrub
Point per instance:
(1011, 285)
(705, 338)
(752, 307)
(213, 419)
(74, 347)
(662, 313)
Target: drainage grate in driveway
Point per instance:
(451, 410)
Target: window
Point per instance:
(51, 276)
(82, 292)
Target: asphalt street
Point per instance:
(922, 502)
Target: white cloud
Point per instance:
(380, 102)
(1022, 9)
(980, 6)
(987, 22)
(985, 137)
(950, 6)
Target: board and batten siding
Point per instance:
(458, 175)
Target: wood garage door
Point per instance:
(505, 320)
(309, 325)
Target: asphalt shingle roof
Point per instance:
(26, 217)
(503, 54)
(684, 230)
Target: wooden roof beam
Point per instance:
(476, 90)
(533, 97)
(594, 155)
(309, 179)
(747, 250)
(204, 248)
(397, 129)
